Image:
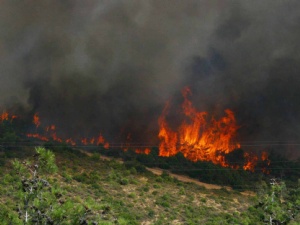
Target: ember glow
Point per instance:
(49, 133)
(128, 145)
(36, 120)
(5, 116)
(201, 137)
(145, 151)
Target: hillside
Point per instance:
(126, 193)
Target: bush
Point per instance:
(124, 181)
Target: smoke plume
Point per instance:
(110, 66)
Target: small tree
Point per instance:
(274, 204)
(42, 203)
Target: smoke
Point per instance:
(110, 66)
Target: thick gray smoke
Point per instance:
(110, 65)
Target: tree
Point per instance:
(41, 202)
(275, 205)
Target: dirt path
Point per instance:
(187, 179)
(182, 178)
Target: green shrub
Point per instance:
(123, 181)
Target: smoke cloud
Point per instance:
(110, 66)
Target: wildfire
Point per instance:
(95, 141)
(38, 136)
(36, 120)
(128, 145)
(5, 116)
(101, 141)
(145, 151)
(200, 137)
(49, 133)
(251, 161)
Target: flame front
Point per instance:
(49, 133)
(198, 137)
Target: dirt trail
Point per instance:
(187, 179)
(182, 178)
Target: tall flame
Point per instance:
(198, 137)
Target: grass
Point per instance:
(121, 195)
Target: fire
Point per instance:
(51, 127)
(38, 136)
(71, 142)
(49, 133)
(101, 141)
(199, 137)
(36, 120)
(251, 161)
(145, 151)
(169, 138)
(137, 149)
(5, 116)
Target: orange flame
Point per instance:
(251, 161)
(101, 141)
(198, 137)
(36, 120)
(49, 133)
(71, 142)
(145, 151)
(38, 136)
(4, 116)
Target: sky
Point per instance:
(111, 65)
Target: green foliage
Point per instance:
(46, 160)
(277, 204)
(123, 181)
(164, 200)
(145, 198)
(39, 201)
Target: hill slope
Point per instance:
(126, 193)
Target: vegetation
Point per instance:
(86, 189)
(208, 172)
(62, 185)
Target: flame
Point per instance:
(36, 120)
(71, 142)
(49, 133)
(145, 151)
(51, 127)
(168, 144)
(84, 141)
(251, 161)
(198, 137)
(5, 116)
(101, 141)
(265, 158)
(128, 145)
(38, 136)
